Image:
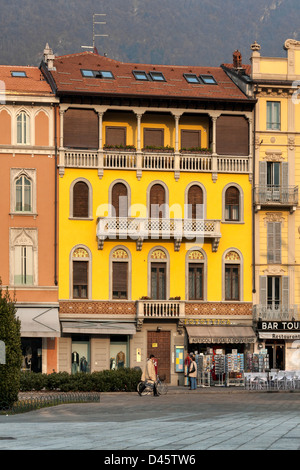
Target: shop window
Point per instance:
(31, 354)
(80, 356)
(119, 352)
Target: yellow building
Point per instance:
(277, 217)
(155, 222)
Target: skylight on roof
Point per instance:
(191, 78)
(18, 73)
(87, 73)
(208, 79)
(140, 75)
(106, 74)
(157, 76)
(96, 73)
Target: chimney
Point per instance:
(237, 59)
(49, 57)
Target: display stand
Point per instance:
(220, 369)
(235, 369)
(235, 379)
(204, 365)
(204, 379)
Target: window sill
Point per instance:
(81, 218)
(31, 214)
(235, 222)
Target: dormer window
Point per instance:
(87, 73)
(106, 74)
(97, 73)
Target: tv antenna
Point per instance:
(95, 15)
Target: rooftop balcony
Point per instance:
(276, 312)
(154, 161)
(140, 229)
(276, 196)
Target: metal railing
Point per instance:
(271, 194)
(276, 312)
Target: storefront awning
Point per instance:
(98, 327)
(221, 334)
(39, 322)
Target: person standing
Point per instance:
(149, 375)
(193, 373)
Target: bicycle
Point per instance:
(161, 387)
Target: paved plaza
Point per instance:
(182, 421)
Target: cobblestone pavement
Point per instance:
(182, 420)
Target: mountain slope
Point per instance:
(158, 31)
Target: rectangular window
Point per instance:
(195, 281)
(158, 281)
(80, 279)
(232, 282)
(273, 115)
(191, 78)
(208, 79)
(273, 291)
(140, 75)
(120, 280)
(157, 76)
(23, 274)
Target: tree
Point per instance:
(10, 334)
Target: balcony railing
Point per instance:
(270, 195)
(140, 229)
(276, 312)
(160, 309)
(143, 161)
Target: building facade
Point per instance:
(276, 203)
(155, 231)
(28, 213)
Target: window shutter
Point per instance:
(120, 281)
(157, 199)
(232, 135)
(262, 181)
(115, 135)
(190, 138)
(81, 129)
(120, 200)
(274, 242)
(263, 290)
(285, 181)
(285, 291)
(80, 199)
(80, 273)
(195, 202)
(153, 137)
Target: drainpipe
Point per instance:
(253, 201)
(55, 196)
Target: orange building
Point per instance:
(28, 261)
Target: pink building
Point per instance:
(28, 241)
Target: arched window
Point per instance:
(23, 194)
(22, 128)
(159, 275)
(195, 202)
(232, 204)
(119, 200)
(196, 275)
(81, 282)
(157, 201)
(120, 273)
(233, 287)
(80, 199)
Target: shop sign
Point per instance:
(2, 353)
(279, 335)
(207, 321)
(282, 326)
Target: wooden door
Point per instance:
(158, 343)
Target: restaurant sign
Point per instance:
(279, 329)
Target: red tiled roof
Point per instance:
(33, 84)
(68, 79)
(246, 67)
